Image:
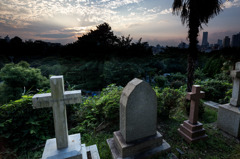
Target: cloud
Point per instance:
(58, 36)
(166, 11)
(230, 4)
(46, 19)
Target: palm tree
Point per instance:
(194, 13)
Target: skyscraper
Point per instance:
(236, 40)
(226, 42)
(219, 42)
(205, 39)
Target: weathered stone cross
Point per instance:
(235, 100)
(57, 99)
(195, 97)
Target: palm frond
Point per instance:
(177, 6)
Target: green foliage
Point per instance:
(209, 115)
(120, 72)
(161, 81)
(19, 78)
(215, 90)
(56, 69)
(176, 80)
(86, 75)
(213, 66)
(24, 127)
(223, 76)
(168, 99)
(98, 112)
(199, 74)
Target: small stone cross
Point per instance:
(195, 97)
(235, 100)
(57, 99)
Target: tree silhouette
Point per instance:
(194, 13)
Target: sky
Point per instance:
(64, 20)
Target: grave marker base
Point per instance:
(143, 148)
(192, 132)
(75, 149)
(229, 119)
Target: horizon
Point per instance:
(62, 21)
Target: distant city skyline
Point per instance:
(62, 21)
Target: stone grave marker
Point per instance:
(64, 145)
(229, 114)
(191, 130)
(138, 136)
(235, 74)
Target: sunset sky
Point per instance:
(65, 20)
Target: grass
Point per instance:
(216, 146)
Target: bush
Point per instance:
(199, 74)
(177, 84)
(100, 111)
(215, 89)
(213, 66)
(168, 99)
(20, 78)
(23, 127)
(160, 81)
(120, 72)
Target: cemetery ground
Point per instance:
(98, 126)
(24, 131)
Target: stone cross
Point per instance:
(138, 111)
(195, 97)
(235, 100)
(57, 99)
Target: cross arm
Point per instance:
(42, 100)
(45, 100)
(72, 97)
(235, 73)
(193, 96)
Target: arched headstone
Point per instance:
(138, 136)
(138, 111)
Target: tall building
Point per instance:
(236, 40)
(219, 42)
(226, 42)
(205, 39)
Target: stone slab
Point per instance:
(93, 151)
(165, 147)
(192, 140)
(138, 111)
(73, 151)
(192, 127)
(192, 132)
(229, 119)
(129, 149)
(84, 151)
(211, 104)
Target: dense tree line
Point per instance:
(97, 44)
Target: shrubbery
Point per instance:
(98, 112)
(19, 79)
(25, 128)
(216, 90)
(168, 99)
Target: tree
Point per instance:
(194, 13)
(19, 78)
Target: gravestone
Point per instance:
(138, 136)
(229, 114)
(63, 146)
(191, 130)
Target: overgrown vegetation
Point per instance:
(102, 59)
